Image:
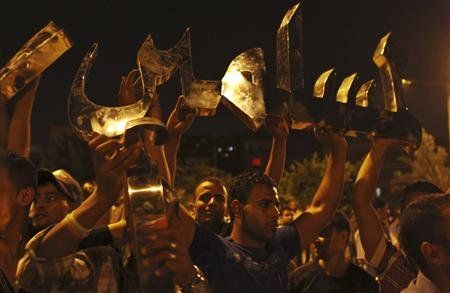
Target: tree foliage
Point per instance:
(189, 175)
(302, 178)
(430, 162)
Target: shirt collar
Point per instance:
(422, 284)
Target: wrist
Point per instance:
(340, 147)
(187, 279)
(174, 135)
(279, 140)
(193, 279)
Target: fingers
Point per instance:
(151, 233)
(108, 148)
(133, 77)
(127, 90)
(125, 158)
(158, 258)
(96, 140)
(158, 244)
(180, 103)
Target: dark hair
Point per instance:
(423, 221)
(212, 179)
(423, 187)
(242, 184)
(340, 222)
(379, 202)
(21, 170)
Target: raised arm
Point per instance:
(111, 160)
(4, 121)
(177, 124)
(19, 134)
(326, 199)
(369, 225)
(279, 129)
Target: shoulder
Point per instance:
(206, 243)
(305, 270)
(355, 270)
(308, 276)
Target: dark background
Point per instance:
(341, 34)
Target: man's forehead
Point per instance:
(263, 191)
(209, 186)
(46, 188)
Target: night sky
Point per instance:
(341, 34)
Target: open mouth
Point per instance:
(39, 217)
(273, 226)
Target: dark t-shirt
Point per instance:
(230, 267)
(313, 278)
(5, 286)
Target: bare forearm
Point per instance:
(4, 118)
(277, 159)
(325, 201)
(19, 135)
(368, 223)
(90, 211)
(330, 189)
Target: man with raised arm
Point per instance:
(51, 264)
(394, 271)
(256, 255)
(210, 196)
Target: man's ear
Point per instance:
(236, 207)
(25, 196)
(433, 253)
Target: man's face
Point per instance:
(292, 204)
(287, 216)
(330, 242)
(210, 204)
(49, 206)
(383, 213)
(260, 213)
(446, 216)
(8, 203)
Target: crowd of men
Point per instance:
(233, 238)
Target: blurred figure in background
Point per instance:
(333, 271)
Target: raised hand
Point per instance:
(111, 159)
(130, 91)
(278, 127)
(181, 118)
(326, 136)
